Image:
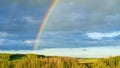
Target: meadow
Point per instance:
(41, 61)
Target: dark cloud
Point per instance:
(21, 19)
(85, 16)
(26, 3)
(18, 16)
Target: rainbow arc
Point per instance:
(42, 26)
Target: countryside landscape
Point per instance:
(59, 33)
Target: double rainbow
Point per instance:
(44, 23)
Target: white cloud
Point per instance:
(29, 42)
(4, 41)
(72, 52)
(29, 19)
(99, 36)
(4, 34)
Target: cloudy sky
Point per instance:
(81, 27)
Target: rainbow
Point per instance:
(44, 23)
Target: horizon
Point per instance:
(79, 28)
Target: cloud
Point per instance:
(99, 36)
(20, 15)
(4, 42)
(67, 25)
(72, 39)
(8, 44)
(29, 42)
(29, 19)
(27, 3)
(4, 34)
(20, 24)
(84, 16)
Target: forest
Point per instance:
(41, 61)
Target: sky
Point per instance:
(78, 28)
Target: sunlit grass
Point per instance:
(88, 60)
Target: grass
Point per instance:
(88, 60)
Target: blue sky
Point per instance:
(80, 25)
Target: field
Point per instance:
(87, 60)
(41, 61)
